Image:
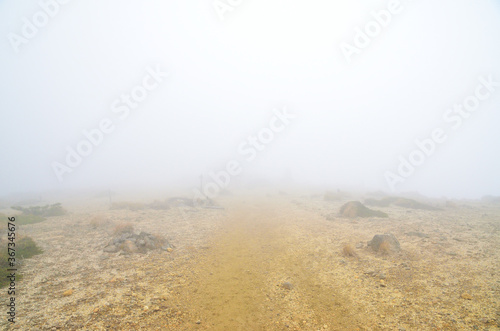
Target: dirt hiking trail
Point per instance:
(257, 275)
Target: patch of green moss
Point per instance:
(48, 210)
(25, 248)
(24, 219)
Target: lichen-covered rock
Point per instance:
(111, 249)
(389, 238)
(130, 243)
(129, 247)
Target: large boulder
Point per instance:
(357, 209)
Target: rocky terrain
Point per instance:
(280, 263)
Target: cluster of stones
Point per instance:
(130, 243)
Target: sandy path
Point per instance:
(237, 283)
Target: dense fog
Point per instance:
(397, 96)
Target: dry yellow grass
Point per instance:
(123, 228)
(97, 222)
(159, 240)
(348, 250)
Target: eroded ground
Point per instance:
(266, 264)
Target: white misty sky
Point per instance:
(352, 120)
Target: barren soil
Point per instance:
(265, 264)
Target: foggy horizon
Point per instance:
(250, 165)
(123, 95)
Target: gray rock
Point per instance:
(129, 247)
(150, 244)
(111, 249)
(125, 236)
(129, 243)
(387, 237)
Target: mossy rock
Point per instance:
(389, 238)
(357, 209)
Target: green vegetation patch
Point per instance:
(44, 211)
(25, 248)
(24, 219)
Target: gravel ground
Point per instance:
(265, 264)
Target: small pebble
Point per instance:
(67, 293)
